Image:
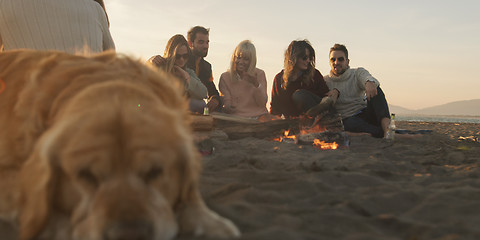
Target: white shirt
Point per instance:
(66, 25)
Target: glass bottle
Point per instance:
(391, 128)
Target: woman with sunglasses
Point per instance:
(299, 87)
(244, 86)
(174, 61)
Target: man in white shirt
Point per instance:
(361, 101)
(72, 26)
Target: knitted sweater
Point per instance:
(241, 97)
(65, 25)
(351, 85)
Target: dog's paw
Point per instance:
(204, 222)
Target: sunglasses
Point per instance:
(184, 56)
(340, 59)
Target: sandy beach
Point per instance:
(420, 187)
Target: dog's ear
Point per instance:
(36, 189)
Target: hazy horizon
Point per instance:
(436, 105)
(422, 52)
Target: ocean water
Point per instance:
(434, 118)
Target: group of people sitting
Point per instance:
(299, 89)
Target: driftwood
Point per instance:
(322, 122)
(202, 123)
(340, 138)
(239, 127)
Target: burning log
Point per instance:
(324, 121)
(328, 125)
(325, 137)
(325, 131)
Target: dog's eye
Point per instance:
(87, 176)
(153, 173)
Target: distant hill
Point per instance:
(463, 108)
(400, 110)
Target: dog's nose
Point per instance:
(129, 230)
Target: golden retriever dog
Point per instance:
(98, 148)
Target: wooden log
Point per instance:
(202, 123)
(341, 138)
(239, 127)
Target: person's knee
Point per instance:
(196, 105)
(304, 99)
(299, 96)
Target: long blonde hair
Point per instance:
(295, 51)
(247, 49)
(173, 44)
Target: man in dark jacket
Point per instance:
(198, 41)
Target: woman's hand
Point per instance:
(181, 74)
(251, 78)
(157, 60)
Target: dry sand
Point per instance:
(420, 187)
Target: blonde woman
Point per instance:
(299, 87)
(174, 61)
(243, 86)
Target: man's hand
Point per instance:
(212, 104)
(157, 60)
(370, 90)
(334, 93)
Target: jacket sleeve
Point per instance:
(274, 108)
(362, 76)
(195, 88)
(107, 40)
(321, 86)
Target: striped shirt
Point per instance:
(66, 25)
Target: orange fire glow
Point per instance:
(324, 145)
(285, 135)
(315, 129)
(316, 142)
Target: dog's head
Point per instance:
(118, 159)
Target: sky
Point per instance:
(424, 53)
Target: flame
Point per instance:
(324, 145)
(316, 142)
(285, 135)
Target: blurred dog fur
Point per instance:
(97, 148)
